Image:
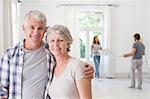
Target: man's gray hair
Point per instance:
(63, 31)
(37, 15)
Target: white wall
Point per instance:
(148, 38)
(127, 19)
(131, 16)
(53, 13)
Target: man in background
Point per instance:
(138, 50)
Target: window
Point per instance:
(91, 24)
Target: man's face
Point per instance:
(34, 31)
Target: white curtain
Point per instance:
(6, 35)
(16, 21)
(108, 54)
(71, 21)
(1, 24)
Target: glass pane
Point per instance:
(84, 39)
(91, 19)
(82, 44)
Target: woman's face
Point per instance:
(96, 39)
(58, 45)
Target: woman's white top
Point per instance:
(64, 86)
(96, 49)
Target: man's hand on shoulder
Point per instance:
(88, 71)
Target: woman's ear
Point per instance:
(68, 48)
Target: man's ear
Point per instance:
(46, 29)
(23, 28)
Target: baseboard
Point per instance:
(127, 75)
(122, 75)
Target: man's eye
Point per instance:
(40, 28)
(32, 28)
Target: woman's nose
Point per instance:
(56, 43)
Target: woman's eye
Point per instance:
(61, 40)
(51, 40)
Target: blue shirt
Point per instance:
(11, 67)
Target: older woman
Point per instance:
(68, 81)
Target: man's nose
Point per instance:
(36, 31)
